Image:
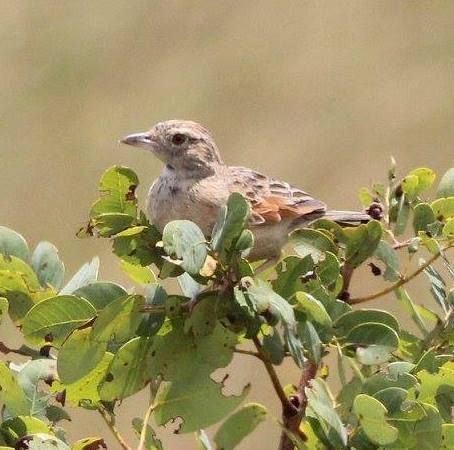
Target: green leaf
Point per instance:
(89, 443)
(438, 286)
(44, 441)
(21, 426)
(87, 274)
(447, 436)
(186, 362)
(345, 323)
(418, 181)
(175, 355)
(443, 208)
(415, 310)
(403, 213)
(312, 242)
(372, 417)
(119, 320)
(199, 402)
(84, 392)
(446, 185)
(13, 244)
(362, 242)
(139, 274)
(365, 197)
(236, 427)
(230, 224)
(372, 333)
(313, 308)
(3, 308)
(310, 340)
(321, 407)
(437, 389)
(423, 216)
(19, 284)
(273, 347)
(128, 371)
(11, 394)
(289, 272)
(419, 427)
(203, 318)
(185, 241)
(151, 441)
(100, 293)
(448, 229)
(388, 255)
(47, 265)
(328, 270)
(29, 378)
(53, 319)
(117, 188)
(392, 398)
(79, 355)
(111, 224)
(374, 354)
(245, 243)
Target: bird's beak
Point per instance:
(137, 139)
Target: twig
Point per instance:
(247, 352)
(286, 405)
(23, 350)
(110, 422)
(347, 273)
(402, 281)
(299, 401)
(143, 433)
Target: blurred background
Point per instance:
(317, 93)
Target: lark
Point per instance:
(195, 184)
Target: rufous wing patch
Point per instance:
(273, 209)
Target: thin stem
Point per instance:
(401, 282)
(146, 419)
(110, 422)
(247, 352)
(273, 375)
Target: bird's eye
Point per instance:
(178, 139)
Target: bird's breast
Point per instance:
(172, 199)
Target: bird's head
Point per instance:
(181, 144)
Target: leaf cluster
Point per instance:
(90, 343)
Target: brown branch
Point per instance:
(286, 405)
(299, 401)
(247, 352)
(110, 422)
(402, 281)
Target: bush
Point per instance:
(95, 343)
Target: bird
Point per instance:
(195, 184)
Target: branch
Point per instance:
(299, 401)
(248, 352)
(286, 405)
(110, 422)
(143, 433)
(402, 281)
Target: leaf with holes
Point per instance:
(53, 319)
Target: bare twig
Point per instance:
(146, 419)
(402, 281)
(110, 422)
(247, 352)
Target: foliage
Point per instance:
(94, 343)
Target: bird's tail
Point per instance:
(347, 217)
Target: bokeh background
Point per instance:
(319, 93)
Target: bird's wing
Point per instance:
(272, 200)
